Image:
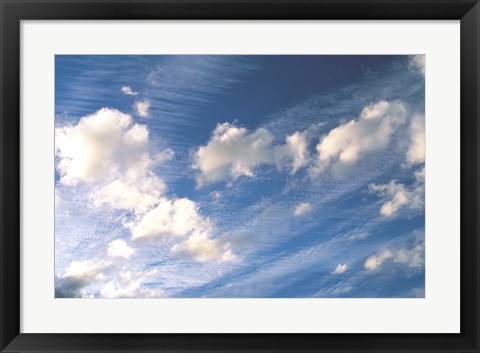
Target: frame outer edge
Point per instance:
(470, 172)
(9, 174)
(242, 9)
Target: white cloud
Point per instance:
(420, 175)
(86, 269)
(101, 146)
(142, 107)
(180, 218)
(234, 151)
(302, 209)
(201, 248)
(128, 90)
(341, 268)
(345, 145)
(138, 194)
(293, 154)
(121, 284)
(375, 261)
(412, 257)
(109, 152)
(171, 218)
(77, 275)
(119, 248)
(399, 196)
(416, 151)
(417, 63)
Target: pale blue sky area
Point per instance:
(239, 176)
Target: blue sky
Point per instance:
(239, 176)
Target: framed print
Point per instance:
(245, 176)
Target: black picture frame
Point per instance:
(14, 11)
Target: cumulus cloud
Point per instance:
(101, 146)
(417, 63)
(117, 284)
(77, 275)
(171, 218)
(398, 195)
(234, 151)
(180, 218)
(142, 107)
(68, 287)
(138, 194)
(128, 91)
(293, 154)
(119, 248)
(416, 151)
(86, 269)
(412, 257)
(110, 153)
(202, 248)
(420, 176)
(375, 261)
(345, 145)
(341, 268)
(302, 209)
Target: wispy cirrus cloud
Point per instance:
(112, 154)
(192, 79)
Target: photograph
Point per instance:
(239, 176)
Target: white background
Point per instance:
(438, 312)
